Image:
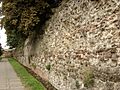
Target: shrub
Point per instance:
(33, 65)
(0, 58)
(88, 78)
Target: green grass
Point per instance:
(28, 80)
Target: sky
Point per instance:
(3, 39)
(3, 36)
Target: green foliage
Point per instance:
(0, 58)
(88, 78)
(27, 79)
(33, 65)
(23, 17)
(1, 50)
(14, 38)
(77, 84)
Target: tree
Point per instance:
(0, 49)
(24, 17)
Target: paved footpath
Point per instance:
(8, 77)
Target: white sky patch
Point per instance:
(3, 36)
(3, 39)
(2, 16)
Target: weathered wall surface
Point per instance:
(80, 49)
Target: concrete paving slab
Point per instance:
(8, 77)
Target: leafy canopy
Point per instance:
(23, 17)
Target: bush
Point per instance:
(88, 78)
(0, 58)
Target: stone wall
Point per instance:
(80, 49)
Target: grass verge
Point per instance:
(28, 80)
